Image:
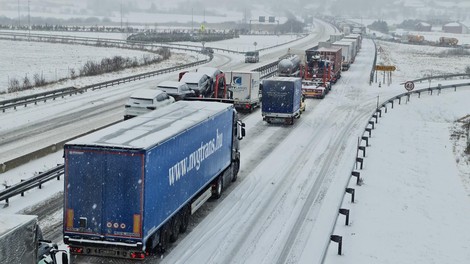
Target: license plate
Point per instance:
(107, 252)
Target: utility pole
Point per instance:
(192, 20)
(121, 15)
(19, 17)
(29, 21)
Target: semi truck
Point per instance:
(289, 66)
(131, 188)
(245, 89)
(281, 99)
(346, 53)
(334, 56)
(21, 241)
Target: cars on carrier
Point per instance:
(199, 82)
(177, 90)
(313, 89)
(146, 100)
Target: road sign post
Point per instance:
(409, 86)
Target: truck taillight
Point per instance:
(76, 250)
(137, 255)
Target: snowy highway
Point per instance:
(285, 202)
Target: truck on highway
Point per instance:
(21, 241)
(131, 188)
(346, 53)
(245, 89)
(281, 99)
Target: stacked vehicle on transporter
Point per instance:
(131, 188)
(325, 62)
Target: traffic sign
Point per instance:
(409, 86)
(385, 68)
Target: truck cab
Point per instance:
(252, 56)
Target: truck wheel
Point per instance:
(185, 214)
(219, 188)
(175, 228)
(164, 238)
(236, 168)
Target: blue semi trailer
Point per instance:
(131, 188)
(281, 99)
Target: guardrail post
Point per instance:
(366, 139)
(376, 117)
(455, 88)
(372, 123)
(407, 98)
(369, 130)
(379, 111)
(357, 175)
(339, 240)
(391, 101)
(40, 184)
(399, 100)
(363, 148)
(419, 94)
(351, 191)
(346, 213)
(361, 160)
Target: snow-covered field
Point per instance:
(20, 59)
(54, 61)
(423, 60)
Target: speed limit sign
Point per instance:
(409, 86)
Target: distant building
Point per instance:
(455, 27)
(423, 26)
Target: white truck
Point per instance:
(353, 43)
(245, 89)
(346, 53)
(21, 241)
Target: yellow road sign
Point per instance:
(385, 68)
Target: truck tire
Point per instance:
(175, 227)
(164, 238)
(185, 214)
(219, 187)
(235, 169)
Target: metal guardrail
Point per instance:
(366, 134)
(445, 77)
(266, 70)
(34, 99)
(372, 71)
(36, 181)
(65, 39)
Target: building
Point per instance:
(455, 27)
(423, 26)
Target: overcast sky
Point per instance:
(456, 10)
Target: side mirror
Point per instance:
(240, 130)
(65, 258)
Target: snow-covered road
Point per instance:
(292, 179)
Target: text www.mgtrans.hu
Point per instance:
(194, 160)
